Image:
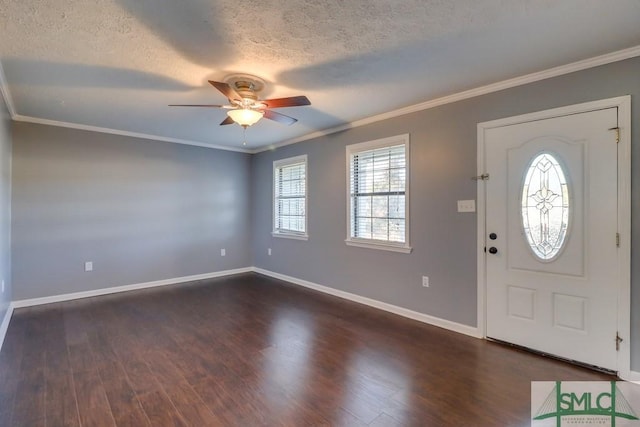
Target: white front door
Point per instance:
(552, 268)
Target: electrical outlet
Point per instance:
(88, 266)
(269, 251)
(223, 252)
(425, 281)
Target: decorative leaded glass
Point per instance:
(545, 206)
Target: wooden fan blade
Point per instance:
(226, 90)
(198, 105)
(293, 101)
(278, 117)
(227, 121)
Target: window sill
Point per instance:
(290, 235)
(405, 249)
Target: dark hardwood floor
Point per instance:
(253, 351)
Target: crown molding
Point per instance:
(4, 90)
(608, 58)
(596, 61)
(28, 119)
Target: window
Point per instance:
(545, 206)
(378, 194)
(290, 198)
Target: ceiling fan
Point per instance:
(245, 108)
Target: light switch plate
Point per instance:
(466, 205)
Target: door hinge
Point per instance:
(618, 341)
(618, 240)
(483, 177)
(617, 129)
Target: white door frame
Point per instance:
(623, 103)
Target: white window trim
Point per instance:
(372, 243)
(291, 234)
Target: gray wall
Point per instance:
(144, 210)
(5, 207)
(140, 210)
(443, 158)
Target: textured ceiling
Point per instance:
(116, 64)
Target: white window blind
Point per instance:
(378, 193)
(290, 196)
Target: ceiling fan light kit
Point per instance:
(245, 117)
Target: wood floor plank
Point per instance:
(248, 350)
(101, 349)
(5, 417)
(195, 366)
(133, 419)
(140, 377)
(81, 357)
(29, 405)
(76, 322)
(385, 420)
(58, 360)
(189, 404)
(163, 369)
(123, 345)
(93, 405)
(219, 396)
(8, 389)
(123, 400)
(10, 362)
(61, 408)
(160, 410)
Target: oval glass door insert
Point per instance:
(545, 206)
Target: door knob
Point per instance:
(493, 236)
(493, 250)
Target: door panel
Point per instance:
(557, 298)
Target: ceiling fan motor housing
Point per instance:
(248, 87)
(246, 90)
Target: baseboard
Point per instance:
(5, 324)
(421, 317)
(126, 288)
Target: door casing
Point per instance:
(623, 103)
